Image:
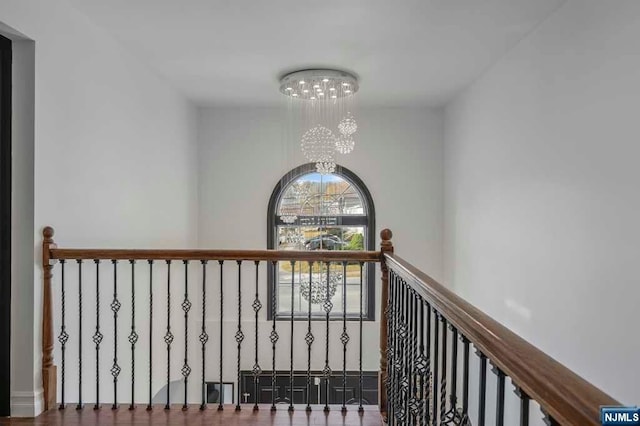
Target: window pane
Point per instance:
(320, 212)
(314, 238)
(320, 195)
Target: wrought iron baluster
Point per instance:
(239, 334)
(499, 396)
(453, 416)
(133, 336)
(406, 381)
(204, 337)
(411, 402)
(150, 404)
(168, 336)
(326, 371)
(79, 405)
(273, 337)
(417, 358)
(402, 356)
(483, 388)
(465, 378)
(293, 274)
(391, 312)
(360, 375)
(221, 395)
(436, 362)
(256, 367)
(453, 398)
(443, 380)
(400, 353)
(428, 384)
(344, 337)
(115, 307)
(309, 339)
(421, 362)
(186, 307)
(63, 337)
(391, 347)
(404, 373)
(97, 335)
(524, 405)
(547, 419)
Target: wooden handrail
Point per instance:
(253, 255)
(561, 393)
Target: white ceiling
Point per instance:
(234, 51)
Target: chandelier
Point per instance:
(319, 290)
(300, 192)
(324, 102)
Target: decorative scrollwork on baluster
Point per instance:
(203, 337)
(401, 359)
(395, 398)
(455, 416)
(414, 402)
(273, 336)
(326, 371)
(256, 370)
(186, 307)
(344, 337)
(97, 335)
(133, 335)
(239, 336)
(168, 336)
(390, 335)
(115, 308)
(63, 337)
(421, 360)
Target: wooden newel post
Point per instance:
(386, 246)
(49, 376)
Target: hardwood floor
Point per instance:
(194, 417)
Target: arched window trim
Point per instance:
(370, 214)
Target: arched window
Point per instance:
(311, 211)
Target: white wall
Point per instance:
(398, 156)
(114, 159)
(541, 191)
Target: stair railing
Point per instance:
(427, 334)
(82, 269)
(431, 332)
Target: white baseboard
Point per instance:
(27, 404)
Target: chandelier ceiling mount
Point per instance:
(319, 84)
